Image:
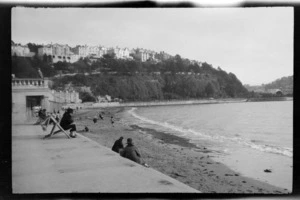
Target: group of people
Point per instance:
(95, 119)
(66, 122)
(42, 116)
(130, 152)
(100, 116)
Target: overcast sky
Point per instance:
(256, 44)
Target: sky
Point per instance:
(256, 44)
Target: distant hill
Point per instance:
(132, 80)
(285, 84)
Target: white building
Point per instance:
(102, 51)
(59, 53)
(65, 97)
(82, 51)
(45, 50)
(93, 50)
(21, 50)
(120, 53)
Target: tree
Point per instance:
(86, 97)
(47, 70)
(61, 66)
(209, 90)
(22, 68)
(45, 58)
(109, 56)
(33, 47)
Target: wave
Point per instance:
(193, 136)
(181, 131)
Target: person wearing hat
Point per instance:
(118, 145)
(131, 152)
(67, 123)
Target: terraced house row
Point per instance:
(65, 53)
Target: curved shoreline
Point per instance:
(174, 156)
(165, 103)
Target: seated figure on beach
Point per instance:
(132, 153)
(118, 145)
(95, 119)
(100, 116)
(112, 121)
(67, 123)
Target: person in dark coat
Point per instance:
(131, 152)
(67, 123)
(118, 145)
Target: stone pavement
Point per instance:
(79, 165)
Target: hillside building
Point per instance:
(102, 51)
(163, 56)
(48, 50)
(65, 96)
(58, 52)
(120, 53)
(143, 54)
(21, 50)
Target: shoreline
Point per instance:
(181, 102)
(172, 155)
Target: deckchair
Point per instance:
(56, 123)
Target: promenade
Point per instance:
(79, 165)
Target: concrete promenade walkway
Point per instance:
(79, 165)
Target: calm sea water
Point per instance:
(254, 128)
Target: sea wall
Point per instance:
(165, 103)
(269, 99)
(106, 104)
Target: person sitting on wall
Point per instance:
(42, 116)
(67, 123)
(55, 116)
(132, 153)
(118, 145)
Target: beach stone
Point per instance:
(165, 182)
(267, 170)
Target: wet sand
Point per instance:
(171, 155)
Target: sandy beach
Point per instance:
(171, 155)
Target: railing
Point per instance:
(33, 82)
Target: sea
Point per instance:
(252, 138)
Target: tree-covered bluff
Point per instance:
(132, 80)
